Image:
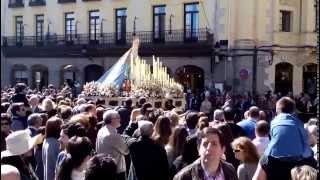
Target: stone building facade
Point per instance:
(203, 43)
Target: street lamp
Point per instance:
(48, 31)
(101, 27)
(134, 25)
(170, 23)
(76, 29)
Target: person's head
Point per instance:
(228, 114)
(203, 122)
(5, 123)
(48, 105)
(304, 172)
(34, 100)
(69, 130)
(262, 115)
(146, 128)
(112, 118)
(178, 140)
(312, 133)
(53, 127)
(18, 109)
(245, 150)
(100, 111)
(9, 172)
(141, 101)
(79, 151)
(262, 129)
(285, 105)
(20, 88)
(65, 112)
(218, 116)
(100, 167)
(192, 120)
(162, 129)
(254, 112)
(146, 109)
(80, 101)
(44, 117)
(174, 119)
(34, 120)
(313, 121)
(4, 107)
(128, 102)
(211, 145)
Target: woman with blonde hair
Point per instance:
(304, 172)
(49, 107)
(246, 152)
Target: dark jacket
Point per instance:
(149, 161)
(124, 113)
(195, 172)
(19, 98)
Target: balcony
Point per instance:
(173, 43)
(90, 0)
(67, 1)
(16, 4)
(37, 3)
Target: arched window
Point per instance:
(39, 76)
(310, 79)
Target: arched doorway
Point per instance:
(69, 74)
(93, 72)
(39, 76)
(191, 77)
(310, 79)
(19, 73)
(283, 78)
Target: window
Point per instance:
(285, 21)
(21, 76)
(159, 14)
(37, 3)
(69, 26)
(39, 29)
(121, 16)
(94, 26)
(191, 21)
(15, 3)
(19, 30)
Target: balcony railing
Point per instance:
(66, 1)
(15, 4)
(37, 3)
(109, 39)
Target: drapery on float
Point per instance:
(132, 77)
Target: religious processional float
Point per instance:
(136, 79)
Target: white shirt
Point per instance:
(261, 144)
(77, 175)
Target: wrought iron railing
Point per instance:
(16, 4)
(109, 39)
(37, 3)
(66, 1)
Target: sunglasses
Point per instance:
(5, 123)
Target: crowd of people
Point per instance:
(51, 135)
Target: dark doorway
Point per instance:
(93, 72)
(283, 78)
(191, 77)
(310, 79)
(39, 76)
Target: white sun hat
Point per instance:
(18, 143)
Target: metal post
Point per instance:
(134, 25)
(254, 70)
(170, 23)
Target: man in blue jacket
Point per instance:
(288, 146)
